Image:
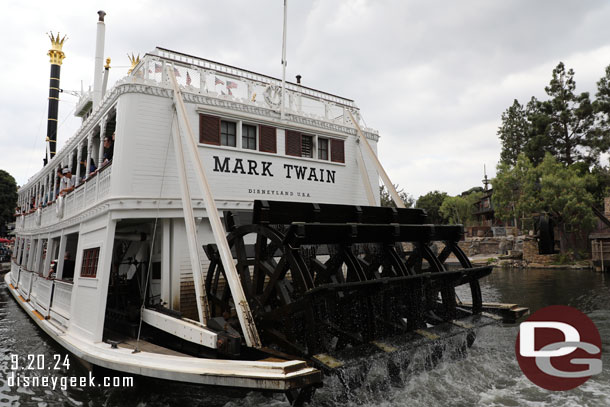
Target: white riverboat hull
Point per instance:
(262, 375)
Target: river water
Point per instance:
(487, 376)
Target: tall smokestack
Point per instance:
(99, 59)
(57, 56)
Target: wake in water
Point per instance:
(487, 375)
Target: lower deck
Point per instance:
(159, 362)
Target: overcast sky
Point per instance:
(432, 76)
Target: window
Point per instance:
(302, 145)
(293, 143)
(306, 146)
(322, 148)
(337, 151)
(267, 138)
(209, 129)
(90, 258)
(227, 133)
(248, 137)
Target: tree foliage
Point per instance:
(572, 130)
(386, 198)
(513, 133)
(432, 202)
(460, 209)
(601, 107)
(8, 198)
(551, 187)
(567, 125)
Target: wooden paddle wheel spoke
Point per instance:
(260, 266)
(394, 263)
(444, 254)
(242, 266)
(299, 271)
(475, 287)
(415, 261)
(355, 271)
(272, 287)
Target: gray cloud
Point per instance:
(433, 77)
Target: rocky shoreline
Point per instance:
(515, 251)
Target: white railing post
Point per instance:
(79, 154)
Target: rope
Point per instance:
(152, 243)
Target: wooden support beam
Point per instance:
(384, 176)
(203, 309)
(242, 307)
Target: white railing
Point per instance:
(48, 215)
(94, 190)
(62, 298)
(90, 191)
(79, 197)
(15, 269)
(69, 208)
(103, 187)
(25, 283)
(42, 294)
(213, 79)
(30, 221)
(51, 298)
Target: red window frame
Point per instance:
(90, 261)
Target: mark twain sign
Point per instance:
(264, 169)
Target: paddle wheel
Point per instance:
(321, 278)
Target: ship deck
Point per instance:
(159, 362)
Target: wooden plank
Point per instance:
(145, 346)
(497, 305)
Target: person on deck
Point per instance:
(92, 167)
(108, 149)
(69, 181)
(83, 170)
(61, 184)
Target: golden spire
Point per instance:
(134, 61)
(56, 54)
(107, 66)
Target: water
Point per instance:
(488, 376)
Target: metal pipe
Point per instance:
(105, 81)
(284, 62)
(99, 59)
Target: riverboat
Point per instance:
(212, 225)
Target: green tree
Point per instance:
(552, 187)
(567, 125)
(386, 198)
(460, 209)
(572, 129)
(513, 132)
(538, 139)
(508, 187)
(8, 198)
(601, 106)
(432, 202)
(601, 188)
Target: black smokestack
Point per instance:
(57, 56)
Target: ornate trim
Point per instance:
(125, 86)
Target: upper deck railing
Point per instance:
(260, 94)
(89, 192)
(214, 79)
